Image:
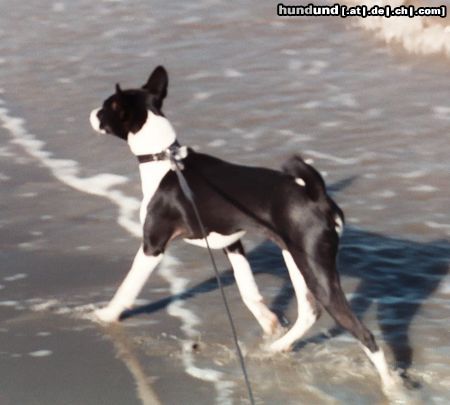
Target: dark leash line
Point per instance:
(177, 166)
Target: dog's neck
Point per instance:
(151, 175)
(155, 136)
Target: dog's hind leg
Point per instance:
(249, 290)
(308, 309)
(131, 286)
(338, 307)
(322, 278)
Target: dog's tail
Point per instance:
(306, 176)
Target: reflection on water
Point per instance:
(126, 351)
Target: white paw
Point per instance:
(269, 328)
(107, 315)
(279, 346)
(278, 332)
(391, 382)
(270, 323)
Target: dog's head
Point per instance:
(125, 112)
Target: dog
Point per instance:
(291, 207)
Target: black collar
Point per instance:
(156, 157)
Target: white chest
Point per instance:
(151, 175)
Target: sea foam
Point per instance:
(418, 35)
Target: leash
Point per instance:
(177, 166)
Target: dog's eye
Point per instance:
(115, 106)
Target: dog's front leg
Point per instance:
(131, 286)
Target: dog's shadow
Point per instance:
(396, 274)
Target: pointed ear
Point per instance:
(118, 89)
(157, 83)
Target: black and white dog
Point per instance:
(291, 207)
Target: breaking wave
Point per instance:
(418, 35)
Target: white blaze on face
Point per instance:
(156, 135)
(95, 122)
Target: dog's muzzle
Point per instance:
(95, 122)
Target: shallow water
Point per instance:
(253, 88)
